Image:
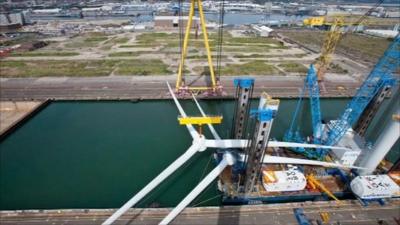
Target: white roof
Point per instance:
(57, 10)
(382, 33)
(262, 28)
(91, 9)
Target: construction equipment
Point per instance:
(331, 40)
(314, 184)
(314, 21)
(333, 37)
(311, 85)
(200, 144)
(301, 217)
(313, 91)
(263, 118)
(380, 76)
(200, 121)
(180, 82)
(244, 93)
(325, 216)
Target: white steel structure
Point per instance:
(382, 146)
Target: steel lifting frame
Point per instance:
(264, 116)
(244, 93)
(180, 85)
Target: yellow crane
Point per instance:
(180, 84)
(331, 40)
(333, 37)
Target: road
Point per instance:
(149, 87)
(349, 212)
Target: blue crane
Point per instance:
(310, 84)
(313, 91)
(380, 76)
(316, 118)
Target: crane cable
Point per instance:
(180, 27)
(220, 37)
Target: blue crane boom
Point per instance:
(316, 118)
(380, 76)
(313, 91)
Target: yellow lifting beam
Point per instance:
(200, 120)
(179, 81)
(314, 183)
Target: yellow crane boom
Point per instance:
(331, 40)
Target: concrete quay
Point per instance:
(150, 87)
(349, 212)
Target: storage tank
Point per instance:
(286, 180)
(374, 187)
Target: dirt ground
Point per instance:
(11, 112)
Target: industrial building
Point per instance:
(174, 22)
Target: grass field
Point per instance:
(249, 68)
(358, 46)
(89, 40)
(124, 54)
(55, 68)
(293, 67)
(83, 68)
(44, 54)
(173, 40)
(102, 52)
(143, 67)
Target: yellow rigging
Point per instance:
(180, 81)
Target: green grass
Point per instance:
(95, 39)
(117, 40)
(136, 46)
(43, 54)
(106, 47)
(87, 41)
(252, 40)
(250, 48)
(83, 68)
(250, 68)
(230, 44)
(240, 56)
(204, 57)
(293, 67)
(121, 40)
(124, 54)
(251, 56)
(142, 67)
(57, 68)
(336, 68)
(358, 46)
